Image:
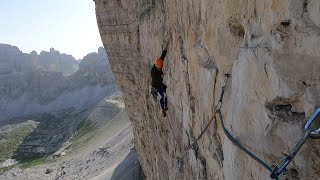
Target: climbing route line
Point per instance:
(309, 132)
(217, 109)
(275, 171)
(230, 137)
(202, 133)
(236, 143)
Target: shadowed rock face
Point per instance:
(271, 50)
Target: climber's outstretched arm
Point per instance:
(164, 52)
(163, 55)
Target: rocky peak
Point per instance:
(94, 62)
(13, 60)
(57, 62)
(38, 85)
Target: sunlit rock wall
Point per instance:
(271, 50)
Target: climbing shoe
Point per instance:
(164, 113)
(165, 109)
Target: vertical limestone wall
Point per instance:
(270, 48)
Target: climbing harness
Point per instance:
(309, 133)
(217, 109)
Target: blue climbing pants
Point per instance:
(161, 91)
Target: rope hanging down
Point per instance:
(275, 171)
(236, 143)
(230, 137)
(217, 109)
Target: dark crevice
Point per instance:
(286, 23)
(204, 171)
(196, 149)
(283, 112)
(192, 104)
(255, 9)
(208, 63)
(147, 10)
(291, 174)
(183, 54)
(218, 155)
(265, 69)
(304, 83)
(284, 29)
(305, 4)
(236, 27)
(184, 57)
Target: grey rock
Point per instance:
(26, 89)
(271, 50)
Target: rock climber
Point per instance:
(158, 88)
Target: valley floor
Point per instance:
(116, 159)
(107, 153)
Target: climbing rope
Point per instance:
(202, 133)
(278, 169)
(236, 143)
(275, 171)
(217, 109)
(230, 137)
(309, 133)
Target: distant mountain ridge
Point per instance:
(29, 84)
(13, 60)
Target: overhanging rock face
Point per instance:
(271, 50)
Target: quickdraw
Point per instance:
(275, 171)
(309, 133)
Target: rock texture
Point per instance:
(271, 50)
(26, 89)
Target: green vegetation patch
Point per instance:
(12, 139)
(25, 163)
(81, 135)
(31, 161)
(4, 169)
(84, 128)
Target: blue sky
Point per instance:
(68, 26)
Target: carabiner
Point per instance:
(277, 170)
(315, 133)
(225, 79)
(309, 133)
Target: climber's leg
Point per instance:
(162, 99)
(163, 89)
(165, 103)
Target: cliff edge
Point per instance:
(270, 49)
